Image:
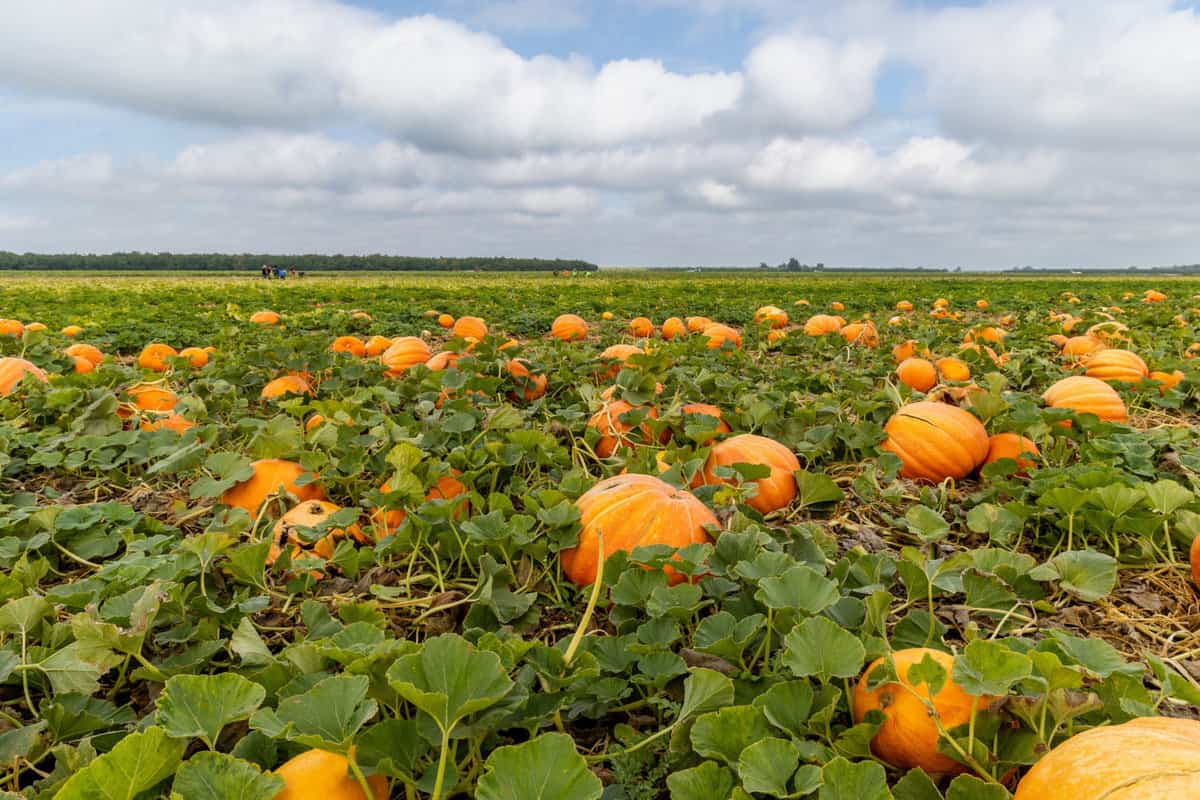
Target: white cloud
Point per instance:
(531, 15)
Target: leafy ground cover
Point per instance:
(159, 639)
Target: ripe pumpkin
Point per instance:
(863, 333)
(150, 397)
(988, 333)
(320, 775)
(197, 356)
(376, 345)
(170, 422)
(633, 511)
(1167, 380)
(86, 351)
(404, 353)
(953, 369)
(285, 385)
(941, 302)
(1014, 446)
(71, 331)
(718, 335)
(707, 410)
(1153, 296)
(11, 327)
(1148, 758)
(361, 315)
(907, 349)
(1058, 340)
(445, 320)
(777, 490)
(1123, 366)
(472, 328)
(35, 326)
(908, 738)
(529, 386)
(904, 305)
(775, 316)
(1194, 559)
(936, 441)
(349, 344)
(616, 357)
(836, 306)
(569, 328)
(981, 304)
(384, 522)
(641, 327)
(270, 474)
(614, 433)
(1078, 349)
(13, 369)
(774, 336)
(821, 324)
(154, 356)
(698, 324)
(673, 328)
(309, 514)
(264, 318)
(917, 373)
(606, 316)
(82, 365)
(1085, 395)
(443, 360)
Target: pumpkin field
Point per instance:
(622, 535)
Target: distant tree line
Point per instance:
(223, 262)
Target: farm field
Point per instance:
(421, 536)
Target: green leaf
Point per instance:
(1000, 524)
(218, 776)
(709, 781)
(815, 488)
(23, 613)
(726, 733)
(968, 787)
(926, 524)
(916, 785)
(767, 764)
(787, 706)
(199, 706)
(249, 646)
(703, 691)
(822, 648)
(1087, 574)
(545, 768)
(929, 672)
(78, 667)
(1166, 496)
(392, 747)
(328, 715)
(449, 679)
(138, 763)
(988, 667)
(843, 780)
(801, 587)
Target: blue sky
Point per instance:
(855, 132)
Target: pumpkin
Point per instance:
(13, 369)
(1079, 348)
(698, 324)
(349, 344)
(1153, 296)
(777, 490)
(81, 365)
(908, 349)
(285, 385)
(909, 736)
(264, 318)
(822, 324)
(150, 397)
(445, 320)
(34, 326)
(197, 357)
(673, 328)
(617, 357)
(633, 511)
(606, 316)
(1194, 558)
(936, 441)
(614, 433)
(836, 306)
(11, 327)
(1123, 366)
(704, 409)
(269, 476)
(1085, 395)
(718, 335)
(917, 373)
(361, 315)
(154, 356)
(1167, 380)
(443, 360)
(1148, 758)
(863, 333)
(1014, 446)
(774, 336)
(569, 328)
(953, 369)
(375, 346)
(384, 522)
(1058, 340)
(904, 305)
(404, 353)
(170, 422)
(1007, 320)
(470, 328)
(86, 351)
(981, 304)
(941, 302)
(641, 327)
(309, 514)
(529, 386)
(773, 315)
(801, 302)
(71, 331)
(988, 333)
(1110, 332)
(320, 775)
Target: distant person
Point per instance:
(282, 273)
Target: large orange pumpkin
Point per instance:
(11, 327)
(197, 356)
(863, 333)
(154, 356)
(821, 324)
(718, 335)
(270, 475)
(953, 369)
(82, 365)
(150, 397)
(376, 345)
(264, 318)
(349, 344)
(908, 738)
(697, 324)
(443, 360)
(1078, 349)
(13, 369)
(936, 441)
(87, 351)
(71, 331)
(673, 328)
(614, 433)
(472, 328)
(170, 422)
(1153, 296)
(1168, 380)
(633, 511)
(309, 514)
(569, 328)
(1123, 366)
(285, 385)
(1149, 758)
(775, 316)
(1014, 446)
(320, 775)
(1085, 395)
(641, 327)
(777, 490)
(917, 373)
(384, 522)
(404, 353)
(616, 357)
(904, 305)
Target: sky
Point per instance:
(870, 133)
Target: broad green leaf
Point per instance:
(926, 524)
(814, 488)
(392, 747)
(787, 706)
(218, 776)
(767, 764)
(709, 781)
(328, 715)
(862, 780)
(801, 587)
(821, 648)
(916, 785)
(1000, 524)
(704, 690)
(1166, 496)
(78, 667)
(449, 679)
(199, 706)
(249, 646)
(138, 763)
(968, 787)
(724, 734)
(988, 667)
(1084, 573)
(23, 613)
(545, 768)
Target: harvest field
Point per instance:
(383, 564)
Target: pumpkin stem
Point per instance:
(592, 599)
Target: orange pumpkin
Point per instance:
(1153, 296)
(836, 306)
(718, 335)
(35, 326)
(1078, 349)
(941, 302)
(953, 369)
(633, 511)
(606, 316)
(150, 397)
(616, 357)
(909, 736)
(822, 324)
(404, 353)
(86, 351)
(71, 331)
(775, 491)
(641, 327)
(1123, 366)
(264, 318)
(1014, 446)
(443, 360)
(1194, 558)
(376, 345)
(470, 328)
(361, 315)
(917, 373)
(936, 441)
(309, 514)
(11, 327)
(82, 365)
(270, 475)
(1148, 758)
(908, 349)
(904, 305)
(384, 522)
(569, 328)
(1167, 380)
(197, 357)
(1058, 340)
(863, 333)
(988, 333)
(170, 422)
(319, 775)
(445, 321)
(154, 356)
(13, 369)
(706, 410)
(285, 385)
(673, 328)
(981, 304)
(349, 344)
(773, 315)
(774, 336)
(698, 324)
(529, 386)
(614, 433)
(1085, 395)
